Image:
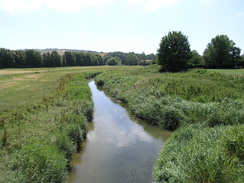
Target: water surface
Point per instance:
(118, 149)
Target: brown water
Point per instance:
(118, 149)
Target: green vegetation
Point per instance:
(39, 138)
(221, 52)
(205, 108)
(52, 58)
(44, 115)
(174, 52)
(113, 61)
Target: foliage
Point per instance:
(33, 58)
(194, 154)
(39, 162)
(221, 52)
(40, 151)
(174, 52)
(204, 107)
(196, 60)
(132, 59)
(113, 61)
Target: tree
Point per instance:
(33, 58)
(174, 52)
(221, 52)
(70, 58)
(55, 59)
(46, 59)
(132, 59)
(19, 58)
(6, 58)
(114, 61)
(196, 59)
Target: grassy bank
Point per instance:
(39, 135)
(205, 107)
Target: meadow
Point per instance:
(205, 110)
(44, 114)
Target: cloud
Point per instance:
(17, 6)
(14, 6)
(151, 5)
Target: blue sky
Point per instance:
(117, 25)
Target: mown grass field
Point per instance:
(205, 108)
(44, 114)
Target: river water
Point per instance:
(118, 149)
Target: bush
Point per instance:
(38, 162)
(233, 142)
(194, 154)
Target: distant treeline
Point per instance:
(33, 58)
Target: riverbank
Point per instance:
(38, 139)
(204, 107)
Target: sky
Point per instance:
(117, 25)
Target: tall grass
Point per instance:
(41, 138)
(206, 110)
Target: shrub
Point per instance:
(233, 141)
(39, 162)
(194, 154)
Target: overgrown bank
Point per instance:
(37, 141)
(204, 107)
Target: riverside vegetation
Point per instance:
(204, 107)
(39, 132)
(44, 114)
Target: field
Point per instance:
(205, 108)
(44, 114)
(43, 120)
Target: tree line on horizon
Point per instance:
(174, 53)
(33, 59)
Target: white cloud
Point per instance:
(14, 6)
(151, 5)
(17, 6)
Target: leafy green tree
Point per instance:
(174, 52)
(221, 52)
(132, 59)
(46, 59)
(70, 58)
(196, 59)
(19, 58)
(33, 58)
(55, 59)
(79, 58)
(6, 58)
(121, 55)
(242, 61)
(114, 61)
(106, 58)
(100, 60)
(235, 53)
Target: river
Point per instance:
(118, 149)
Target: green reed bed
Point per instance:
(204, 103)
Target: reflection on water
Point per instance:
(118, 150)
